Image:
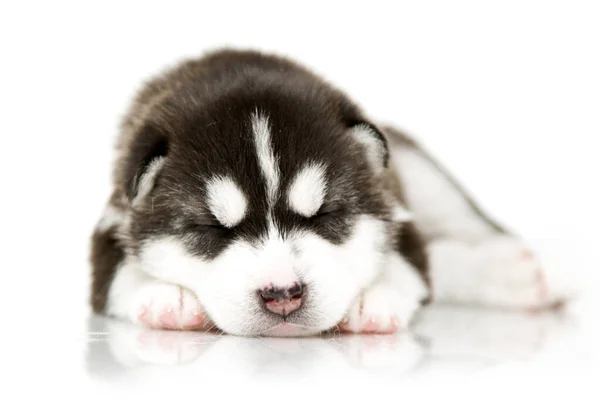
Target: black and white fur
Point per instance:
(240, 170)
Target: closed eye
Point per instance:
(208, 225)
(328, 210)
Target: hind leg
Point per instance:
(472, 259)
(500, 271)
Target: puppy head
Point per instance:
(266, 204)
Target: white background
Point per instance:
(506, 94)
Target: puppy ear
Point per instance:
(147, 156)
(374, 143)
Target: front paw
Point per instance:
(166, 306)
(380, 309)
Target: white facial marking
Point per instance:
(147, 180)
(278, 262)
(226, 201)
(112, 217)
(307, 191)
(264, 151)
(374, 148)
(401, 214)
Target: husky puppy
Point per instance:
(252, 196)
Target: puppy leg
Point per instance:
(121, 289)
(141, 299)
(500, 272)
(390, 303)
(472, 259)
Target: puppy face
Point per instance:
(267, 206)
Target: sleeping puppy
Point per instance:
(252, 196)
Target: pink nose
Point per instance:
(282, 301)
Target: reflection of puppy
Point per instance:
(448, 340)
(125, 350)
(251, 194)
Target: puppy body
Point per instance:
(252, 195)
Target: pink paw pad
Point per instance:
(171, 319)
(371, 326)
(170, 307)
(543, 293)
(541, 280)
(527, 255)
(344, 327)
(194, 322)
(144, 316)
(393, 328)
(168, 320)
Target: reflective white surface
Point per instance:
(447, 344)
